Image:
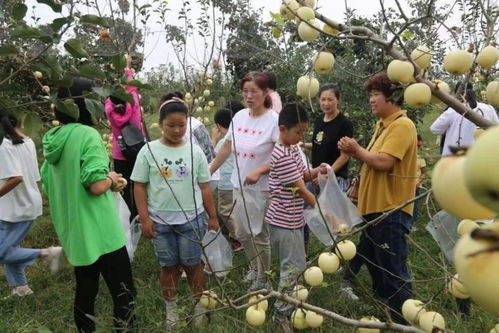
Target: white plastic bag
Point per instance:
(132, 230)
(335, 207)
(256, 204)
(443, 229)
(218, 253)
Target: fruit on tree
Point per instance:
(38, 74)
(329, 29)
(262, 305)
(478, 131)
(206, 108)
(211, 103)
(298, 319)
(309, 3)
(199, 109)
(431, 319)
(209, 82)
(305, 14)
(323, 62)
(209, 300)
(456, 288)
(417, 95)
(255, 316)
(300, 293)
(488, 56)
(313, 319)
(458, 62)
(421, 55)
(477, 262)
(313, 276)
(492, 92)
(188, 98)
(441, 85)
(451, 192)
(328, 262)
(402, 71)
(368, 330)
(345, 249)
(307, 32)
(206, 92)
(412, 309)
(293, 5)
(466, 226)
(46, 89)
(307, 86)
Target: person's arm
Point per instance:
(306, 145)
(254, 177)
(209, 205)
(146, 224)
(340, 162)
(443, 122)
(221, 156)
(215, 135)
(312, 174)
(376, 161)
(10, 184)
(346, 130)
(303, 192)
(109, 183)
(422, 176)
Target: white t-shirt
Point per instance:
(253, 140)
(23, 202)
(457, 129)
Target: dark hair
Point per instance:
(469, 94)
(170, 95)
(381, 82)
(116, 101)
(9, 124)
(292, 114)
(262, 81)
(223, 117)
(272, 80)
(333, 87)
(419, 138)
(172, 107)
(80, 85)
(234, 106)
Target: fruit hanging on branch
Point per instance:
(458, 62)
(400, 70)
(422, 55)
(488, 56)
(417, 95)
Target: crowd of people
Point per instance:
(255, 150)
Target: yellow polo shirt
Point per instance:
(380, 191)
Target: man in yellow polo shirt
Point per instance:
(388, 179)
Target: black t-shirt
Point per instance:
(325, 141)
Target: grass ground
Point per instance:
(50, 308)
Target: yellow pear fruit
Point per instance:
(309, 3)
(345, 249)
(307, 86)
(368, 330)
(293, 5)
(300, 293)
(458, 62)
(199, 109)
(343, 228)
(313, 276)
(262, 305)
(456, 288)
(313, 319)
(441, 85)
(402, 71)
(488, 56)
(417, 95)
(330, 30)
(209, 300)
(421, 55)
(478, 131)
(466, 226)
(298, 319)
(209, 82)
(328, 262)
(206, 93)
(308, 33)
(38, 74)
(412, 309)
(492, 92)
(451, 192)
(255, 316)
(207, 108)
(431, 319)
(323, 62)
(305, 14)
(211, 103)
(188, 97)
(46, 89)
(55, 123)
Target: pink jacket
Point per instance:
(132, 115)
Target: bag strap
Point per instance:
(379, 131)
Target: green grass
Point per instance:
(51, 305)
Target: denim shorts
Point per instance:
(180, 243)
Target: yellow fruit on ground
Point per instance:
(441, 85)
(488, 56)
(417, 95)
(262, 305)
(328, 262)
(345, 250)
(402, 71)
(451, 193)
(478, 268)
(38, 74)
(466, 226)
(298, 319)
(492, 92)
(313, 276)
(323, 61)
(300, 293)
(421, 55)
(209, 300)
(313, 319)
(456, 288)
(305, 14)
(307, 86)
(307, 33)
(254, 316)
(431, 319)
(412, 309)
(329, 29)
(458, 62)
(368, 330)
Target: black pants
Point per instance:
(125, 167)
(117, 273)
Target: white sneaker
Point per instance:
(171, 314)
(250, 276)
(348, 293)
(53, 260)
(199, 317)
(20, 291)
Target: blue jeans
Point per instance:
(383, 248)
(14, 257)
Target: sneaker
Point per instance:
(19, 291)
(183, 275)
(348, 293)
(199, 317)
(171, 314)
(250, 276)
(236, 246)
(53, 260)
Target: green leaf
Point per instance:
(66, 81)
(94, 19)
(278, 17)
(52, 4)
(19, 11)
(69, 107)
(32, 124)
(91, 71)
(123, 94)
(73, 46)
(138, 84)
(23, 31)
(105, 91)
(8, 50)
(407, 35)
(119, 62)
(53, 63)
(95, 108)
(57, 23)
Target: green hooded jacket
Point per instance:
(87, 225)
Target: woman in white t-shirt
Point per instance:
(20, 204)
(251, 138)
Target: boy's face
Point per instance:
(291, 136)
(221, 129)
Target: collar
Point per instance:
(391, 118)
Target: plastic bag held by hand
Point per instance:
(254, 204)
(217, 253)
(336, 208)
(131, 230)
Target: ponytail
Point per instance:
(267, 102)
(9, 124)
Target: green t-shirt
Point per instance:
(178, 169)
(87, 225)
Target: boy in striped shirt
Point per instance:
(288, 193)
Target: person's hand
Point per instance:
(323, 168)
(115, 177)
(215, 134)
(148, 229)
(213, 223)
(252, 178)
(348, 145)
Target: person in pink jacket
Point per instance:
(119, 114)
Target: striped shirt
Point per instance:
(286, 208)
